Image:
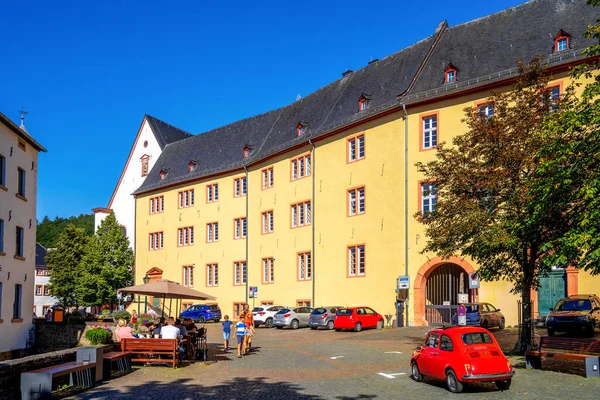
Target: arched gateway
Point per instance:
(437, 285)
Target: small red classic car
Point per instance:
(459, 355)
(357, 318)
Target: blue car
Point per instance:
(482, 314)
(202, 313)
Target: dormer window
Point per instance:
(145, 160)
(301, 129)
(451, 74)
(247, 151)
(561, 41)
(363, 103)
(163, 174)
(192, 166)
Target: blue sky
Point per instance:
(87, 72)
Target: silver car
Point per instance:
(322, 317)
(293, 317)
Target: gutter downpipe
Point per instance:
(405, 201)
(247, 236)
(313, 222)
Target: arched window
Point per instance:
(145, 160)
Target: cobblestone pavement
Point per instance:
(305, 364)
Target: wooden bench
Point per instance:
(143, 350)
(123, 359)
(576, 349)
(37, 384)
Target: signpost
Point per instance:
(461, 312)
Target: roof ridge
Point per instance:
(503, 11)
(171, 125)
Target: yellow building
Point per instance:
(313, 203)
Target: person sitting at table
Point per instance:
(123, 331)
(182, 328)
(190, 326)
(170, 331)
(159, 326)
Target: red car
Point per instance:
(357, 318)
(459, 355)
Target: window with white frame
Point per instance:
(304, 266)
(157, 204)
(429, 197)
(185, 236)
(186, 198)
(240, 273)
(356, 260)
(486, 110)
(301, 214)
(188, 276)
(267, 222)
(430, 132)
(212, 193)
(267, 178)
(301, 167)
(212, 274)
(356, 201)
(240, 228)
(156, 240)
(212, 232)
(268, 270)
(239, 187)
(356, 148)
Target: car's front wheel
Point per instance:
(453, 383)
(416, 374)
(503, 384)
(269, 323)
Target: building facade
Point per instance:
(151, 139)
(43, 300)
(313, 203)
(18, 194)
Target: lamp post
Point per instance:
(146, 280)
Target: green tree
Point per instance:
(48, 230)
(485, 184)
(569, 173)
(64, 263)
(107, 264)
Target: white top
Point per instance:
(170, 332)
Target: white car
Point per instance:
(263, 315)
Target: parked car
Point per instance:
(459, 355)
(322, 317)
(264, 315)
(295, 318)
(202, 313)
(578, 313)
(482, 314)
(357, 318)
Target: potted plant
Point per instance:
(98, 335)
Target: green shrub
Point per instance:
(99, 335)
(117, 315)
(105, 313)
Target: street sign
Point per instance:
(474, 280)
(403, 282)
(252, 291)
(463, 298)
(119, 295)
(461, 312)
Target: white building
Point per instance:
(151, 139)
(42, 300)
(18, 200)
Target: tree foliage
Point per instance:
(48, 231)
(64, 263)
(485, 183)
(107, 264)
(568, 179)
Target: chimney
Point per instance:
(346, 73)
(372, 61)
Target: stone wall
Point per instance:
(52, 336)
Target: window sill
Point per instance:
(16, 320)
(19, 258)
(4, 188)
(20, 197)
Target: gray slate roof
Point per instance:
(165, 133)
(481, 47)
(40, 256)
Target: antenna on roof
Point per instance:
(298, 97)
(23, 114)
